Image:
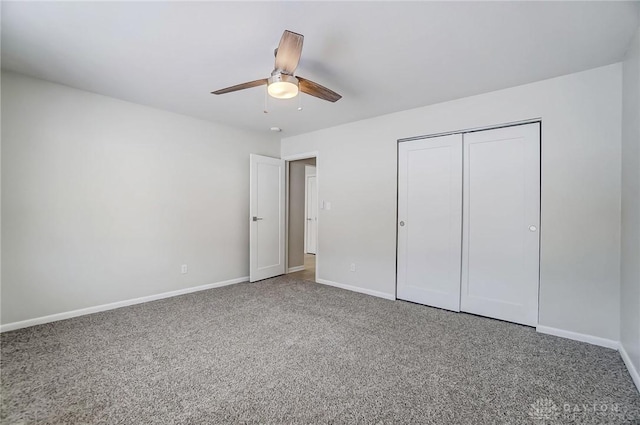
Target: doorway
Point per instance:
(310, 210)
(302, 218)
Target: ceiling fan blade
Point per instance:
(315, 89)
(289, 51)
(242, 86)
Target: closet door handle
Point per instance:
(256, 218)
(402, 224)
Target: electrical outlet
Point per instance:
(353, 267)
(183, 269)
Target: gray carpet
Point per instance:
(288, 351)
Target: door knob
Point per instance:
(257, 218)
(532, 228)
(402, 223)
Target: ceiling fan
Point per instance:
(282, 84)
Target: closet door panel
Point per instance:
(429, 221)
(500, 261)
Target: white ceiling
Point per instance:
(382, 57)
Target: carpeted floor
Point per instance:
(288, 351)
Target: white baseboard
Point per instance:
(118, 304)
(595, 340)
(295, 269)
(358, 289)
(630, 366)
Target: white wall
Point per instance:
(630, 263)
(103, 200)
(580, 228)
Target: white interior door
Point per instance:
(311, 210)
(429, 221)
(500, 256)
(267, 220)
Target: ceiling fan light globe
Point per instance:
(283, 90)
(282, 86)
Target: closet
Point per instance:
(468, 222)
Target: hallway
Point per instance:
(309, 272)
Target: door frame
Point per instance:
(288, 159)
(307, 174)
(472, 130)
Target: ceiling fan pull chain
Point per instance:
(299, 101)
(266, 101)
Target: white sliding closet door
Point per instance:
(500, 256)
(429, 221)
